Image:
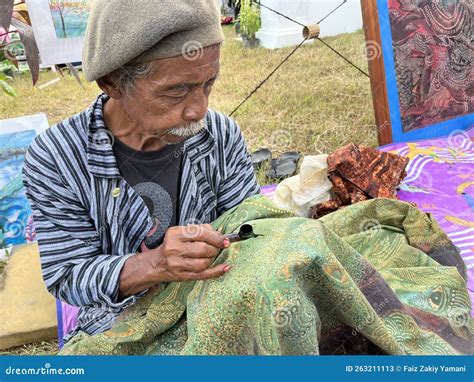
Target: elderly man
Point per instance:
(121, 192)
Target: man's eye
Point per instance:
(177, 94)
(208, 85)
(175, 99)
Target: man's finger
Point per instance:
(197, 265)
(199, 249)
(210, 273)
(202, 233)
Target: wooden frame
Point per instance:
(370, 20)
(381, 57)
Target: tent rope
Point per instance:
(266, 78)
(294, 50)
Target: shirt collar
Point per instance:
(100, 155)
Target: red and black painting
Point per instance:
(433, 46)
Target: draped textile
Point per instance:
(361, 280)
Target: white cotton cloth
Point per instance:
(300, 192)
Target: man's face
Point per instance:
(173, 101)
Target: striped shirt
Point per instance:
(89, 221)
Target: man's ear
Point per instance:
(108, 87)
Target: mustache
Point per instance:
(187, 130)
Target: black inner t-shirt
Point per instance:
(155, 176)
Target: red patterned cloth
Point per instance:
(360, 173)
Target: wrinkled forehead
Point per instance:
(194, 67)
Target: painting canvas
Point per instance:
(433, 60)
(15, 214)
(69, 17)
(59, 28)
(420, 66)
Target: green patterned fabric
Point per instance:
(362, 280)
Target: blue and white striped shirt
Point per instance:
(86, 229)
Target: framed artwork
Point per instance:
(420, 56)
(59, 28)
(16, 135)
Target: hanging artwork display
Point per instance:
(59, 28)
(16, 135)
(420, 60)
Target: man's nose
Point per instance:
(196, 107)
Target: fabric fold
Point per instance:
(351, 282)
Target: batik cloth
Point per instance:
(361, 280)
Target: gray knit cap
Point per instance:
(126, 31)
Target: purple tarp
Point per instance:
(440, 181)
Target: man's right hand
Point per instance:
(187, 253)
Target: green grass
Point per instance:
(314, 103)
(37, 348)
